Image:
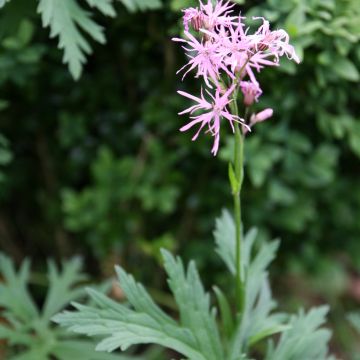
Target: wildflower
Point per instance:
(203, 57)
(276, 42)
(215, 111)
(194, 17)
(259, 117)
(226, 56)
(218, 14)
(251, 92)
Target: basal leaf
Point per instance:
(62, 288)
(305, 340)
(14, 296)
(121, 327)
(194, 305)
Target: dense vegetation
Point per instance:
(97, 166)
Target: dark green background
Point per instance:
(98, 167)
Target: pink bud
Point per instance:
(261, 116)
(251, 92)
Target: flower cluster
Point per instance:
(223, 53)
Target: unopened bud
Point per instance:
(197, 22)
(261, 116)
(251, 92)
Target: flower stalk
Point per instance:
(239, 173)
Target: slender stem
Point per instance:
(238, 172)
(238, 169)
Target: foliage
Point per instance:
(196, 334)
(302, 181)
(27, 330)
(354, 318)
(68, 21)
(312, 142)
(5, 155)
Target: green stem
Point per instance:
(238, 169)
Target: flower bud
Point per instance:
(261, 116)
(251, 92)
(195, 18)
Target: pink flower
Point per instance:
(203, 57)
(209, 16)
(194, 17)
(217, 15)
(215, 111)
(251, 92)
(259, 117)
(275, 42)
(224, 54)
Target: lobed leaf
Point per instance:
(62, 288)
(134, 5)
(305, 340)
(121, 327)
(14, 296)
(194, 306)
(65, 19)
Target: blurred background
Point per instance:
(97, 167)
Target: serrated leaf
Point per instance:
(27, 332)
(65, 19)
(84, 350)
(134, 5)
(305, 340)
(258, 316)
(122, 327)
(14, 294)
(224, 235)
(140, 299)
(194, 305)
(61, 286)
(104, 6)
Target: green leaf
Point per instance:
(194, 305)
(84, 350)
(258, 319)
(140, 299)
(134, 5)
(354, 319)
(354, 138)
(65, 19)
(345, 69)
(235, 184)
(29, 334)
(104, 6)
(226, 314)
(305, 340)
(268, 332)
(3, 104)
(122, 327)
(3, 3)
(224, 235)
(61, 287)
(14, 294)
